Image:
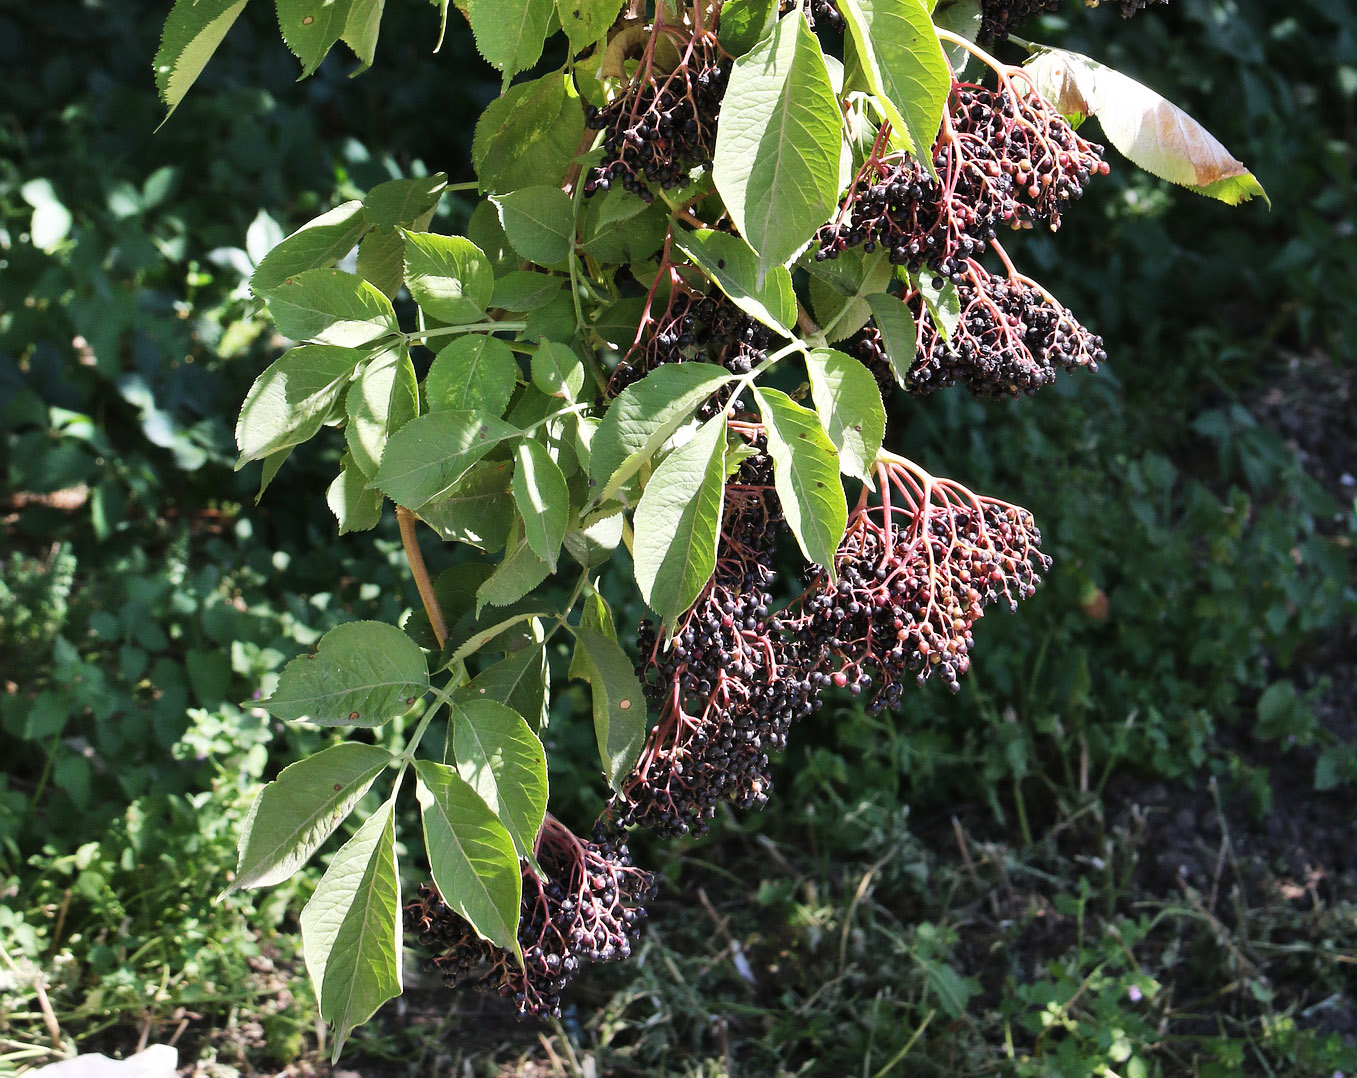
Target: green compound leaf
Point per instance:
(777, 148)
(943, 303)
(539, 221)
(311, 27)
(362, 674)
(296, 812)
(899, 335)
(476, 372)
(557, 371)
(586, 21)
(193, 30)
(543, 499)
(523, 290)
(426, 457)
(472, 855)
(501, 758)
(839, 288)
(519, 682)
(617, 226)
(383, 399)
(529, 135)
(329, 306)
(361, 29)
(478, 510)
(510, 33)
(620, 717)
(381, 260)
(849, 405)
(318, 244)
(448, 277)
(744, 23)
(291, 400)
(355, 506)
(351, 928)
(403, 202)
(515, 576)
(678, 520)
(904, 66)
(734, 266)
(1151, 131)
(806, 474)
(644, 416)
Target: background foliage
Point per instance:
(1126, 839)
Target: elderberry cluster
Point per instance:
(662, 126)
(728, 686)
(1009, 341)
(586, 907)
(1003, 158)
(913, 574)
(999, 18)
(817, 13)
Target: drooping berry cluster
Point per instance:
(817, 12)
(730, 683)
(697, 327)
(664, 124)
(914, 572)
(999, 18)
(1004, 157)
(1009, 340)
(586, 907)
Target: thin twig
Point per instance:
(415, 557)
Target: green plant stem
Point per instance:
(474, 327)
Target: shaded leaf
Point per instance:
(448, 276)
(678, 520)
(529, 135)
(730, 262)
(478, 510)
(296, 812)
(539, 222)
(848, 402)
(806, 474)
(476, 372)
(899, 335)
(471, 855)
(329, 306)
(501, 758)
(543, 499)
(620, 717)
(351, 928)
(290, 401)
(426, 457)
(362, 674)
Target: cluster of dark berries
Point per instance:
(817, 12)
(1009, 341)
(912, 575)
(698, 327)
(729, 684)
(1004, 157)
(999, 18)
(586, 907)
(663, 125)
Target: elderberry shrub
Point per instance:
(662, 125)
(1004, 157)
(914, 572)
(729, 685)
(586, 907)
(1010, 339)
